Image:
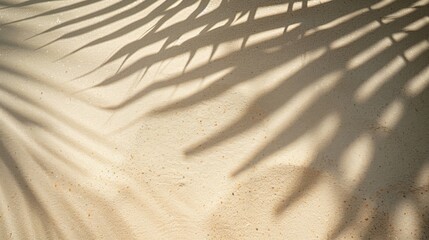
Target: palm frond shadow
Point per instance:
(53, 166)
(399, 153)
(44, 153)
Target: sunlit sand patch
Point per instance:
(356, 159)
(241, 214)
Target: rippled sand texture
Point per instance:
(210, 119)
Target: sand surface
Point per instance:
(210, 119)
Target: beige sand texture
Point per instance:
(214, 119)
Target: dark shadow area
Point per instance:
(6, 4)
(370, 81)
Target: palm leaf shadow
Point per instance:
(404, 162)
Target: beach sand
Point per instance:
(214, 119)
